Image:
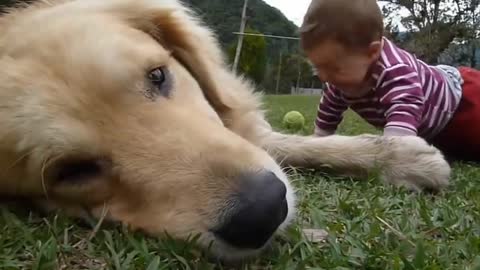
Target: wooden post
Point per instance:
(240, 38)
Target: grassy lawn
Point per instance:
(371, 226)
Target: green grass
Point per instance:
(371, 226)
(278, 106)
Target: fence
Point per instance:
(306, 91)
(275, 64)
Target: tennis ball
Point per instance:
(293, 120)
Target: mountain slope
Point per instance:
(224, 18)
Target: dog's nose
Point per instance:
(260, 208)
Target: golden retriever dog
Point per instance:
(128, 106)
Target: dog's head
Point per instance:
(127, 106)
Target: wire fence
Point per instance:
(276, 64)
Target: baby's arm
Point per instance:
(329, 112)
(400, 91)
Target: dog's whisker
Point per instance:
(282, 161)
(289, 171)
(11, 166)
(45, 164)
(103, 215)
(42, 175)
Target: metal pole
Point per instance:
(240, 38)
(299, 74)
(279, 72)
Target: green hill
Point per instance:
(262, 65)
(224, 17)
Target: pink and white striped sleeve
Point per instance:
(401, 93)
(330, 111)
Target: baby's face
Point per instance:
(345, 68)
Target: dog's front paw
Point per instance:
(411, 162)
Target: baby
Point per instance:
(384, 84)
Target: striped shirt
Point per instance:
(410, 97)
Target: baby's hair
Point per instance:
(353, 23)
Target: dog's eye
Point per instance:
(160, 82)
(157, 77)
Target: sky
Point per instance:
(295, 9)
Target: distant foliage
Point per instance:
(253, 57)
(436, 27)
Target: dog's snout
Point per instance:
(260, 208)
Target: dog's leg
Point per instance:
(402, 161)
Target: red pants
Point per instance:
(460, 139)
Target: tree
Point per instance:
(253, 57)
(434, 24)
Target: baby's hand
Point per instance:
(322, 133)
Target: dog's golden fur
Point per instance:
(74, 91)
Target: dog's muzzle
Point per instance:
(260, 208)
